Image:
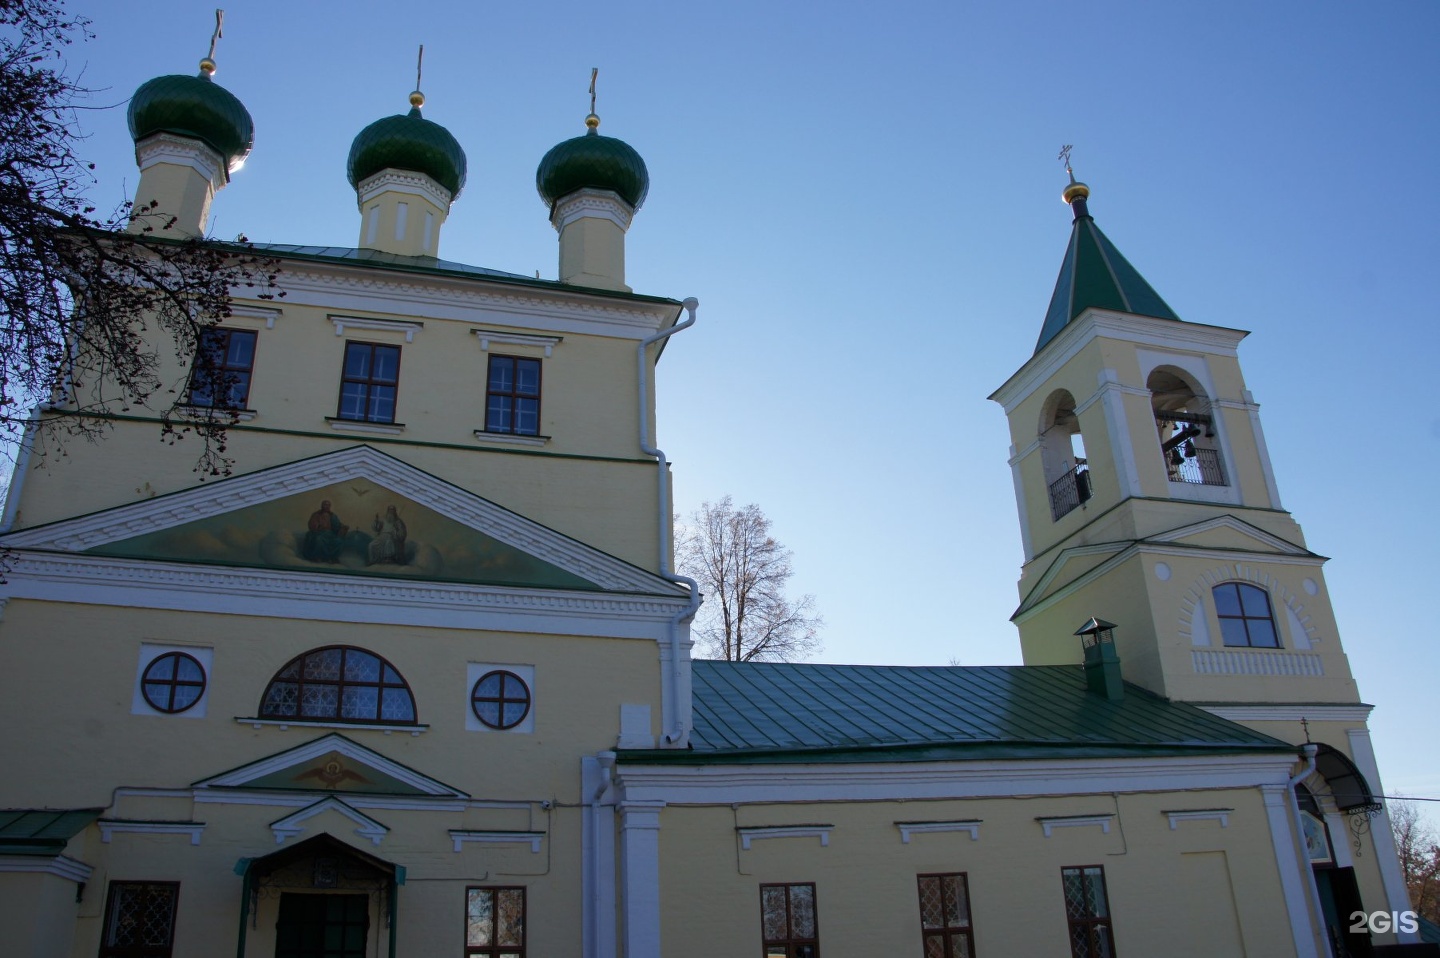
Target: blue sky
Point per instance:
(866, 203)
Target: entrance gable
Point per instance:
(334, 764)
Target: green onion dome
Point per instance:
(593, 162)
(196, 107)
(408, 142)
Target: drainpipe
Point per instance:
(675, 733)
(1308, 751)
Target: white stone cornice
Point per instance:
(406, 327)
(460, 837)
(61, 866)
(1291, 713)
(1221, 815)
(182, 151)
(970, 826)
(1048, 823)
(885, 781)
(111, 826)
(748, 835)
(369, 287)
(1125, 327)
(597, 204)
(402, 181)
(488, 336)
(136, 583)
(267, 313)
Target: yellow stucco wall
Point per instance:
(867, 897)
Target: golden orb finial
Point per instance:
(592, 122)
(417, 99)
(1075, 189)
(207, 66)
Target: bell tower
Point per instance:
(1147, 497)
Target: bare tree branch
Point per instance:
(1419, 851)
(88, 303)
(744, 571)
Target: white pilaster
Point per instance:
(598, 865)
(1287, 859)
(1381, 837)
(640, 878)
(1112, 394)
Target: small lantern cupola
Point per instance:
(406, 171)
(190, 134)
(1102, 663)
(593, 185)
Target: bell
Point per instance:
(1175, 458)
(1190, 449)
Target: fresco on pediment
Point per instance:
(333, 772)
(355, 526)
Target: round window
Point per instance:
(173, 682)
(500, 699)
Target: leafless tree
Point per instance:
(743, 572)
(87, 307)
(1419, 849)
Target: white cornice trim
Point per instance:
(366, 426)
(888, 781)
(460, 837)
(359, 462)
(135, 583)
(596, 204)
(1050, 822)
(409, 327)
(1125, 327)
(1357, 714)
(1221, 815)
(1230, 522)
(488, 336)
(367, 287)
(759, 832)
(285, 725)
(267, 313)
(181, 151)
(114, 826)
(391, 180)
(61, 866)
(510, 438)
(969, 826)
(294, 824)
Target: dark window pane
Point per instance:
(357, 361)
(242, 350)
(528, 378)
(1255, 601)
(527, 417)
(1262, 634)
(1232, 631)
(387, 364)
(1227, 600)
(802, 911)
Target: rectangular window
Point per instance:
(512, 396)
(139, 920)
(1087, 909)
(788, 923)
(368, 382)
(224, 359)
(495, 922)
(945, 916)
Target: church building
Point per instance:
(416, 680)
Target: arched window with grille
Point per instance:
(339, 683)
(1246, 616)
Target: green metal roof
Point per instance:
(1094, 274)
(195, 107)
(408, 142)
(772, 711)
(42, 831)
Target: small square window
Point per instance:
(368, 382)
(512, 396)
(224, 361)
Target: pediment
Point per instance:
(1229, 534)
(352, 512)
(333, 764)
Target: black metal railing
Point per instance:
(1071, 489)
(1195, 464)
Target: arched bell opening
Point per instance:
(1062, 452)
(1189, 441)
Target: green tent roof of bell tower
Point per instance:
(1095, 275)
